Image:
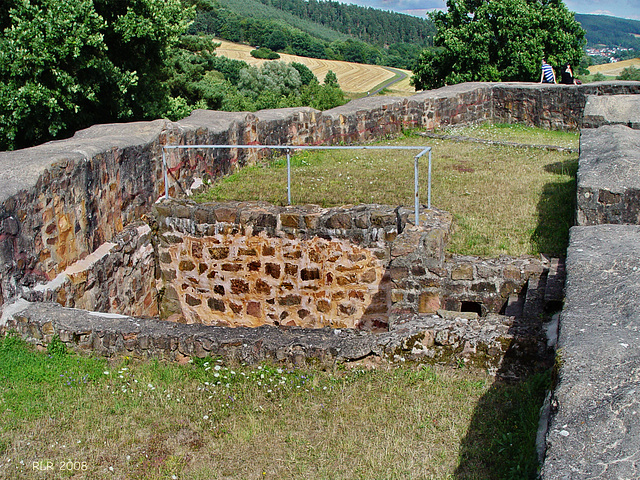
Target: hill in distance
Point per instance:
(610, 31)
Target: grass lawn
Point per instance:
(505, 200)
(67, 416)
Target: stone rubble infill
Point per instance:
(453, 338)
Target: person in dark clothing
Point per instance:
(567, 77)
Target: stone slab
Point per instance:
(21, 169)
(595, 432)
(612, 110)
(608, 180)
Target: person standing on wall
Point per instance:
(547, 76)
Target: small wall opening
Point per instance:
(476, 307)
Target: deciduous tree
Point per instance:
(498, 40)
(65, 65)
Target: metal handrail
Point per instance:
(289, 148)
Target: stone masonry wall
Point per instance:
(117, 277)
(608, 180)
(62, 200)
(250, 264)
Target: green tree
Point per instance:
(67, 65)
(331, 79)
(630, 73)
(275, 78)
(498, 40)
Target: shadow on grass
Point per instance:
(556, 210)
(501, 442)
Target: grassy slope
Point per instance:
(253, 9)
(505, 200)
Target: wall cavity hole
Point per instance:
(475, 307)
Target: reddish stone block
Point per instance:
(272, 269)
(254, 309)
(218, 253)
(239, 286)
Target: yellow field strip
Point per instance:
(352, 77)
(614, 69)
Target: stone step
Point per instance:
(554, 291)
(515, 305)
(534, 300)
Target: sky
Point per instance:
(616, 8)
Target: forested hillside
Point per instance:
(256, 23)
(610, 31)
(366, 23)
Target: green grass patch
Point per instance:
(505, 200)
(90, 418)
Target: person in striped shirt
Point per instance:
(547, 75)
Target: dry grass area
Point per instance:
(505, 200)
(352, 77)
(614, 69)
(65, 416)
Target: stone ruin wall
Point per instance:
(64, 200)
(250, 264)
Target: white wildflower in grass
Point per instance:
(206, 417)
(217, 367)
(106, 372)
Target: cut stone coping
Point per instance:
(612, 109)
(596, 431)
(24, 167)
(482, 342)
(609, 159)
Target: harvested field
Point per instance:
(614, 69)
(352, 77)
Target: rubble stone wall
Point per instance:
(250, 264)
(62, 200)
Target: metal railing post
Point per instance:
(429, 184)
(288, 177)
(416, 193)
(288, 149)
(165, 174)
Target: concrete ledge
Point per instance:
(608, 180)
(595, 432)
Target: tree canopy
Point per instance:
(498, 40)
(66, 65)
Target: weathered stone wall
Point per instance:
(249, 264)
(593, 426)
(608, 180)
(449, 338)
(119, 276)
(60, 201)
